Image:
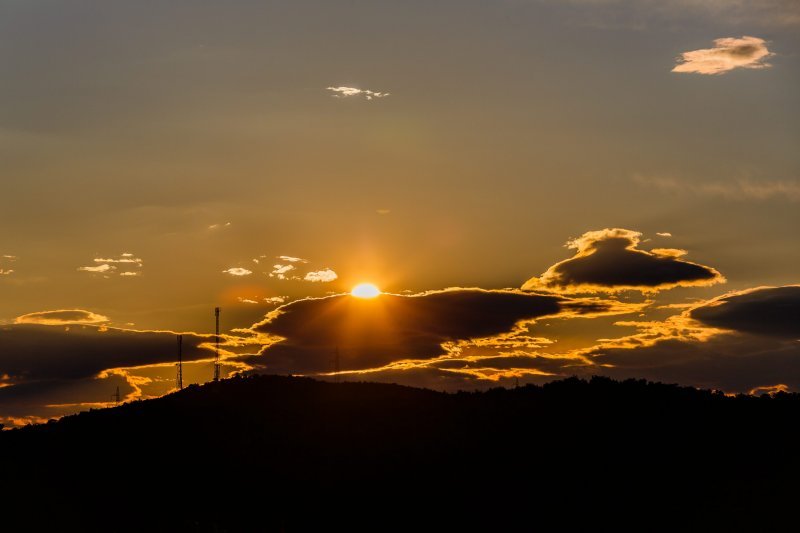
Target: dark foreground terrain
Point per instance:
(279, 453)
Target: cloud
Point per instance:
(740, 189)
(61, 317)
(52, 370)
(290, 259)
(237, 271)
(6, 258)
(609, 260)
(321, 276)
(99, 269)
(280, 271)
(347, 92)
(738, 342)
(664, 234)
(392, 328)
(275, 300)
(768, 311)
(108, 265)
(220, 226)
(729, 53)
(640, 14)
(124, 258)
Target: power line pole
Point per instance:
(179, 379)
(216, 357)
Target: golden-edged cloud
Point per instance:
(742, 341)
(61, 317)
(349, 92)
(373, 333)
(728, 53)
(609, 260)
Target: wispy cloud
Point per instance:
(322, 276)
(664, 234)
(740, 189)
(6, 258)
(219, 226)
(237, 271)
(108, 265)
(347, 92)
(729, 53)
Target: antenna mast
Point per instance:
(179, 379)
(115, 396)
(216, 357)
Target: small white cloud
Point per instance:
(275, 300)
(728, 53)
(130, 274)
(246, 300)
(123, 259)
(219, 226)
(664, 234)
(323, 276)
(10, 257)
(237, 271)
(290, 259)
(4, 272)
(346, 92)
(101, 269)
(279, 271)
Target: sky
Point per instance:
(540, 188)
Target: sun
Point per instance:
(365, 290)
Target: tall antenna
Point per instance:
(115, 396)
(216, 357)
(179, 379)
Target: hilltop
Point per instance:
(270, 452)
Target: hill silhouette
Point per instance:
(264, 453)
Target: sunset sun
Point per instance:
(365, 290)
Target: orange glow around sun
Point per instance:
(365, 290)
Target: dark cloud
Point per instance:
(35, 352)
(61, 317)
(761, 350)
(771, 311)
(609, 260)
(371, 333)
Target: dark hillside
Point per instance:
(268, 452)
